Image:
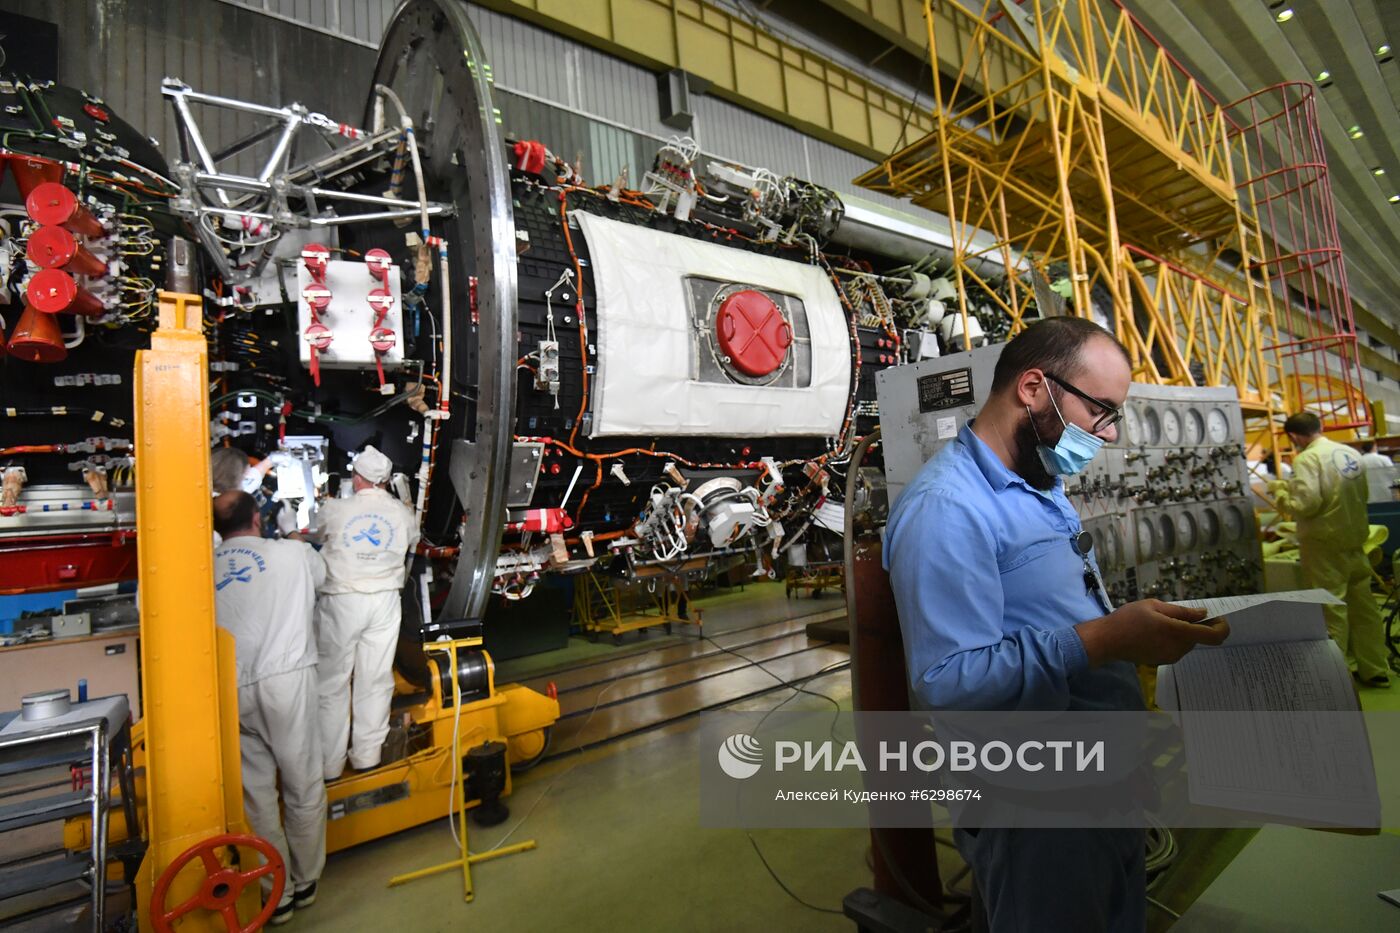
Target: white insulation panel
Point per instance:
(645, 382)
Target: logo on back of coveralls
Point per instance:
(239, 567)
(1346, 463)
(366, 535)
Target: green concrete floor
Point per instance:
(615, 825)
(620, 848)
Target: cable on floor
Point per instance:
(597, 701)
(1161, 850)
(795, 685)
(790, 893)
(792, 685)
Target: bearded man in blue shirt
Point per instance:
(1002, 609)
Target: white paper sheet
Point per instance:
(1222, 605)
(1269, 617)
(1270, 718)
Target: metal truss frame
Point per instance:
(261, 204)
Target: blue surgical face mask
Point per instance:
(1075, 449)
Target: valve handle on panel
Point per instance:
(222, 884)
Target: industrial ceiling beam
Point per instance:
(744, 65)
(899, 22)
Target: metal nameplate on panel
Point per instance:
(951, 389)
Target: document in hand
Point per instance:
(1270, 718)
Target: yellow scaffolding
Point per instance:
(604, 605)
(1070, 146)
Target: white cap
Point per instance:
(373, 465)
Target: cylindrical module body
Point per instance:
(54, 291)
(51, 204)
(57, 248)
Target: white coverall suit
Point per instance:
(1380, 473)
(1327, 496)
(264, 596)
(364, 540)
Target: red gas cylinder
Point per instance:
(53, 291)
(752, 332)
(56, 248)
(53, 205)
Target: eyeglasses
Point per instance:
(1111, 414)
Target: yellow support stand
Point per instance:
(467, 860)
(193, 780)
(598, 608)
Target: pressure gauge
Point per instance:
(1113, 548)
(1210, 527)
(1171, 427)
(1167, 538)
(1151, 427)
(1146, 539)
(1186, 531)
(1195, 427)
(1217, 426)
(1132, 426)
(1233, 523)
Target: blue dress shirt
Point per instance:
(979, 640)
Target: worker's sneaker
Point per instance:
(282, 914)
(303, 898)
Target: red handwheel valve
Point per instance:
(222, 884)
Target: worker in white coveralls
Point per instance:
(264, 596)
(1380, 473)
(365, 539)
(1327, 498)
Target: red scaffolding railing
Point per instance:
(1303, 261)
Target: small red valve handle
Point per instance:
(222, 884)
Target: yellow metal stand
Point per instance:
(465, 862)
(192, 776)
(815, 577)
(598, 607)
(458, 802)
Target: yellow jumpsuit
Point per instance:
(1327, 497)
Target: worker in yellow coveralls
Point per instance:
(1326, 496)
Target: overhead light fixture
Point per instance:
(1284, 15)
(1324, 76)
(1382, 50)
(1378, 171)
(1395, 199)
(1356, 132)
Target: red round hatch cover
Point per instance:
(752, 332)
